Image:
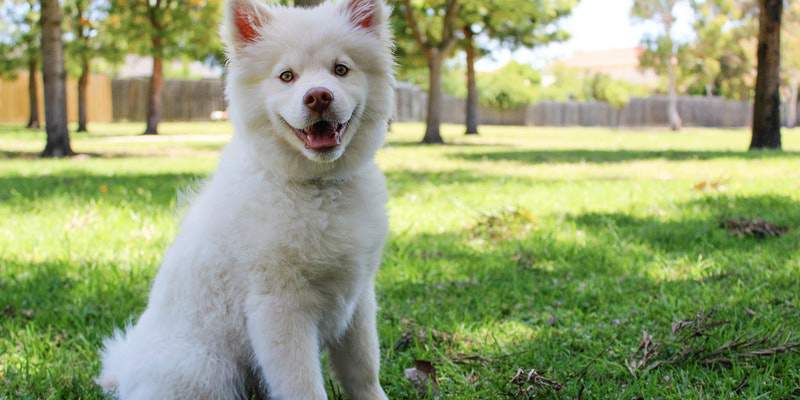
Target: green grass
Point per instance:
(534, 248)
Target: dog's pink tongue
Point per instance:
(321, 136)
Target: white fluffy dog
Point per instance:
(277, 255)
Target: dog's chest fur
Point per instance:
(319, 241)
(329, 236)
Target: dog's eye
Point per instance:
(341, 69)
(287, 76)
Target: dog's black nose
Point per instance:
(318, 99)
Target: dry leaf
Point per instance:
(530, 382)
(757, 228)
(404, 342)
(645, 353)
(742, 384)
(423, 376)
(690, 344)
(702, 186)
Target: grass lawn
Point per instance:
(532, 248)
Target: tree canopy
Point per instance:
(19, 35)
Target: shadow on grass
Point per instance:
(569, 156)
(161, 189)
(36, 155)
(6, 128)
(698, 228)
(143, 190)
(57, 313)
(573, 303)
(449, 143)
(401, 182)
(201, 149)
(616, 246)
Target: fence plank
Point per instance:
(14, 99)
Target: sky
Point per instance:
(593, 25)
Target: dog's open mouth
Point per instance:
(322, 135)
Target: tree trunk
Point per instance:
(55, 88)
(709, 90)
(791, 105)
(433, 120)
(83, 84)
(766, 109)
(472, 84)
(675, 122)
(154, 97)
(33, 95)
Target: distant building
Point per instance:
(617, 63)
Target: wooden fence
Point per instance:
(14, 106)
(639, 112)
(180, 101)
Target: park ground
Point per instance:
(598, 258)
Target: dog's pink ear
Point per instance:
(244, 20)
(365, 14)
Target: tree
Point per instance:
(791, 60)
(85, 18)
(572, 84)
(509, 23)
(662, 12)
(55, 88)
(767, 106)
(21, 49)
(471, 104)
(432, 25)
(163, 30)
(720, 61)
(510, 86)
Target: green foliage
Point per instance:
(566, 84)
(718, 61)
(411, 62)
(722, 57)
(790, 42)
(619, 242)
(511, 86)
(516, 23)
(167, 28)
(658, 50)
(603, 88)
(452, 78)
(88, 35)
(516, 84)
(571, 84)
(19, 35)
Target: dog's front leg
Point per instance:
(286, 345)
(356, 356)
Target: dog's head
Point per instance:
(314, 83)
